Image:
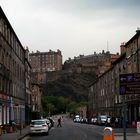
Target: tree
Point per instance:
(56, 105)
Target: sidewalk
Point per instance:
(131, 134)
(16, 135)
(128, 137)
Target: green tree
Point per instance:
(54, 105)
(82, 103)
(72, 108)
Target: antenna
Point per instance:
(107, 46)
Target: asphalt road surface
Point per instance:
(72, 131)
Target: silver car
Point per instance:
(39, 126)
(48, 123)
(102, 119)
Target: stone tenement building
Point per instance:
(36, 101)
(28, 103)
(43, 62)
(104, 93)
(15, 77)
(12, 74)
(97, 63)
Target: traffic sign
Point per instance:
(130, 83)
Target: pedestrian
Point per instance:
(112, 120)
(59, 122)
(14, 126)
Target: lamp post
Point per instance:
(124, 118)
(20, 120)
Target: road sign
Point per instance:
(130, 83)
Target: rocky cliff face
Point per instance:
(77, 75)
(71, 85)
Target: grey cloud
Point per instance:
(75, 5)
(87, 9)
(73, 26)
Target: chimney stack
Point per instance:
(138, 30)
(122, 48)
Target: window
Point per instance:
(1, 83)
(91, 88)
(0, 54)
(5, 85)
(1, 25)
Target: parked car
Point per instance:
(102, 119)
(48, 122)
(94, 120)
(77, 118)
(108, 121)
(116, 122)
(82, 120)
(85, 120)
(39, 126)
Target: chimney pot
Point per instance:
(138, 29)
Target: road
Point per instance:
(72, 131)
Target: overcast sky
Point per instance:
(73, 26)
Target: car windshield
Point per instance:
(37, 122)
(103, 117)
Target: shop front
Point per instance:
(11, 109)
(4, 109)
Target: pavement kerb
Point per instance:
(128, 134)
(23, 136)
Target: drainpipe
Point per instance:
(137, 31)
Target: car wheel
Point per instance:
(31, 134)
(47, 133)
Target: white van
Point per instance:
(77, 118)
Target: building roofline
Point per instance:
(135, 36)
(113, 65)
(41, 53)
(122, 57)
(119, 59)
(4, 16)
(26, 60)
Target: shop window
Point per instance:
(7, 114)
(0, 25)
(4, 114)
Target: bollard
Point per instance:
(108, 133)
(138, 127)
(133, 124)
(0, 130)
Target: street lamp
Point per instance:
(20, 120)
